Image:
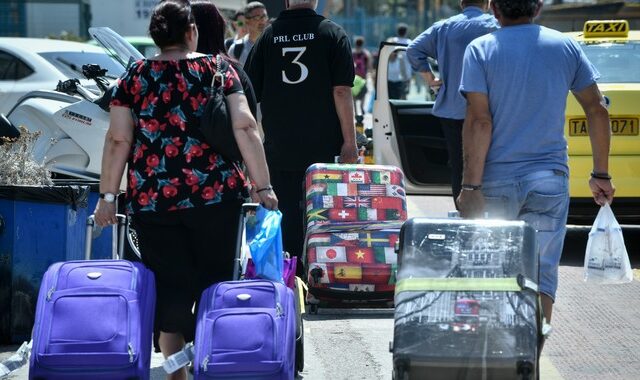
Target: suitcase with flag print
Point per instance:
(466, 301)
(354, 215)
(353, 194)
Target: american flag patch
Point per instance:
(372, 190)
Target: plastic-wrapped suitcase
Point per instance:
(353, 215)
(94, 319)
(467, 305)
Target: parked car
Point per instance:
(407, 135)
(28, 64)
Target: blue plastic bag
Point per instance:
(266, 245)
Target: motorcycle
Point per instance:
(73, 120)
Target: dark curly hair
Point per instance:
(169, 22)
(513, 9)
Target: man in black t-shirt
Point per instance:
(302, 72)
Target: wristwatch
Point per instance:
(108, 197)
(467, 187)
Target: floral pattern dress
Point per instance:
(170, 166)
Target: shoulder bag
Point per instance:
(215, 123)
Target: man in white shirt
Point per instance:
(256, 19)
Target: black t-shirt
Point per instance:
(293, 67)
(247, 87)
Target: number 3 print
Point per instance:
(304, 71)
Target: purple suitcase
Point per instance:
(94, 320)
(246, 330)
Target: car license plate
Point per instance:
(620, 126)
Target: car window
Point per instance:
(12, 68)
(70, 63)
(615, 60)
(403, 83)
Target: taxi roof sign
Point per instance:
(606, 28)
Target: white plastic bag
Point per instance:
(606, 260)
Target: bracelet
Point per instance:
(600, 175)
(267, 188)
(471, 187)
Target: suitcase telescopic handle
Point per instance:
(237, 262)
(118, 240)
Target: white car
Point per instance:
(405, 132)
(28, 64)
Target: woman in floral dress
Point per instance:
(184, 198)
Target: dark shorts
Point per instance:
(188, 250)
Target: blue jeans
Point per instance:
(542, 200)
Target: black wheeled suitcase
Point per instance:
(467, 304)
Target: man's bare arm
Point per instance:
(344, 107)
(476, 139)
(595, 109)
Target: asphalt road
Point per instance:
(595, 327)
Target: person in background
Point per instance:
(211, 27)
(238, 23)
(255, 14)
(302, 70)
(399, 72)
(515, 152)
(363, 66)
(401, 35)
(183, 197)
(398, 75)
(445, 41)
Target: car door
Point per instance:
(405, 132)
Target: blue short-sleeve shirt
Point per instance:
(527, 72)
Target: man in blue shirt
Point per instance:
(445, 42)
(516, 82)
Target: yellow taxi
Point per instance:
(615, 51)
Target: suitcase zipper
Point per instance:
(133, 286)
(276, 351)
(279, 313)
(131, 352)
(276, 292)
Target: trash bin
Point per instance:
(105, 241)
(102, 246)
(41, 225)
